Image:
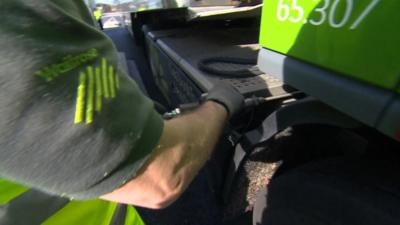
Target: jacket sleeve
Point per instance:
(71, 122)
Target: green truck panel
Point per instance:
(357, 38)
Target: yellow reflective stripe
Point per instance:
(80, 100)
(117, 80)
(105, 80)
(93, 212)
(99, 92)
(101, 81)
(132, 217)
(111, 78)
(90, 96)
(9, 191)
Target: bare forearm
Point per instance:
(186, 144)
(199, 132)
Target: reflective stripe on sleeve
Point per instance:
(99, 92)
(90, 96)
(80, 99)
(111, 79)
(105, 77)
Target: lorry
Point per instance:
(321, 80)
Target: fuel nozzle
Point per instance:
(248, 103)
(254, 101)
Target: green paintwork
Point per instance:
(369, 53)
(9, 191)
(92, 212)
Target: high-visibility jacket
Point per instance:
(97, 14)
(21, 205)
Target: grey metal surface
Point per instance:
(186, 47)
(359, 100)
(154, 35)
(390, 122)
(227, 13)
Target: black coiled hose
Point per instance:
(204, 65)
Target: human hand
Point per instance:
(226, 95)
